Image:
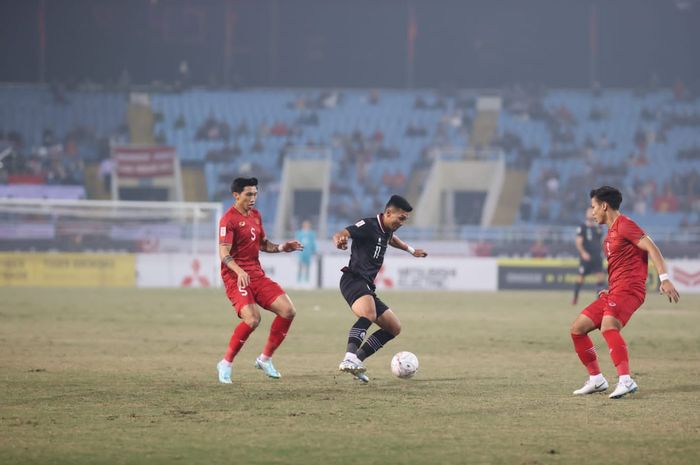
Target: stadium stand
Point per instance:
(566, 140)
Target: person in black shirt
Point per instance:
(370, 239)
(588, 243)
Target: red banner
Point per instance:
(144, 162)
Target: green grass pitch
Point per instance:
(128, 376)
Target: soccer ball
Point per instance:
(404, 365)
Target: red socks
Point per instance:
(618, 351)
(278, 331)
(586, 353)
(240, 335)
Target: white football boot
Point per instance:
(362, 377)
(224, 370)
(624, 388)
(591, 386)
(268, 368)
(353, 367)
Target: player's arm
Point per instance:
(581, 250)
(399, 244)
(289, 246)
(667, 288)
(340, 239)
(227, 259)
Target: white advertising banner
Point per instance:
(284, 269)
(177, 270)
(432, 273)
(685, 275)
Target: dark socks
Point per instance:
(374, 343)
(357, 334)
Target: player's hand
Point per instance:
(420, 253)
(669, 290)
(243, 280)
(601, 292)
(291, 246)
(586, 257)
(341, 242)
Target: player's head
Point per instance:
(396, 212)
(604, 201)
(245, 191)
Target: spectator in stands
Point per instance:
(373, 97)
(279, 129)
(598, 113)
(539, 249)
(258, 146)
(242, 128)
(667, 201)
(179, 122)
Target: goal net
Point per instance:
(40, 225)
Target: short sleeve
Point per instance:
(225, 232)
(631, 231)
(579, 231)
(359, 230)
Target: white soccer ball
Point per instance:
(404, 365)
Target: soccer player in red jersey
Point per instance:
(628, 250)
(241, 238)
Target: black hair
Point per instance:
(239, 184)
(609, 195)
(399, 202)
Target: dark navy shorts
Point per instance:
(591, 266)
(353, 287)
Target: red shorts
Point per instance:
(262, 291)
(619, 306)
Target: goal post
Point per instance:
(176, 239)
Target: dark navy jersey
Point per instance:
(369, 243)
(592, 238)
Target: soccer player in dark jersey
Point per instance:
(241, 238)
(370, 239)
(628, 250)
(588, 242)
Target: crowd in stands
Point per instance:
(48, 133)
(383, 142)
(575, 151)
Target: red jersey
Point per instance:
(627, 264)
(245, 234)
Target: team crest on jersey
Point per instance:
(241, 224)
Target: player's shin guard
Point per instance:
(357, 334)
(278, 331)
(240, 335)
(586, 353)
(375, 342)
(618, 351)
